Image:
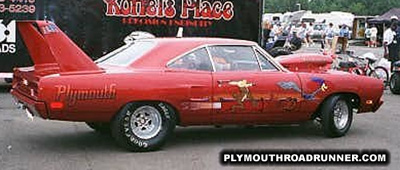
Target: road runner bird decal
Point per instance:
(293, 86)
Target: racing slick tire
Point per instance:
(278, 51)
(143, 127)
(395, 83)
(99, 127)
(380, 73)
(337, 116)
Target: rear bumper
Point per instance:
(37, 108)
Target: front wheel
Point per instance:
(143, 126)
(380, 73)
(337, 116)
(395, 83)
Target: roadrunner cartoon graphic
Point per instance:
(244, 93)
(293, 86)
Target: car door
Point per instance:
(236, 69)
(191, 76)
(280, 90)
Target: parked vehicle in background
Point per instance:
(395, 79)
(319, 31)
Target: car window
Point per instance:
(127, 54)
(234, 58)
(197, 60)
(265, 63)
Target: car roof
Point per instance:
(202, 40)
(167, 49)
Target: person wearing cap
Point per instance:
(394, 18)
(391, 43)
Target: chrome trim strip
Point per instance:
(212, 61)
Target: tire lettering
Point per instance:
(165, 110)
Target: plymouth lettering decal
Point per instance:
(71, 96)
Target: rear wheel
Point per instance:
(143, 126)
(337, 116)
(395, 83)
(380, 73)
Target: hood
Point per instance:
(306, 62)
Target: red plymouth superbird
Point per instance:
(142, 90)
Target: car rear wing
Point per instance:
(52, 51)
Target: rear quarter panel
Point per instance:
(98, 97)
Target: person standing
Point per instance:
(367, 35)
(309, 33)
(395, 20)
(329, 33)
(390, 44)
(266, 32)
(343, 37)
(302, 33)
(373, 36)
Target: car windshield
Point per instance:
(127, 54)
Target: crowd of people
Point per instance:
(305, 32)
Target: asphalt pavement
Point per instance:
(47, 145)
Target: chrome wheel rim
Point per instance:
(340, 114)
(146, 122)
